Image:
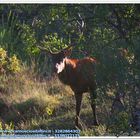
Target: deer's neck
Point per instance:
(64, 70)
(60, 66)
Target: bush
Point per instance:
(120, 123)
(8, 64)
(7, 127)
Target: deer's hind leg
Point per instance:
(93, 97)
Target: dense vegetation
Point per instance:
(31, 93)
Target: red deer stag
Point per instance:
(79, 74)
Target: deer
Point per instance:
(79, 74)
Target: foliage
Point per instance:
(28, 38)
(9, 33)
(6, 127)
(53, 43)
(120, 123)
(110, 33)
(2, 57)
(14, 65)
(8, 64)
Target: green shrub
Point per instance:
(8, 64)
(119, 123)
(54, 43)
(7, 127)
(2, 58)
(14, 64)
(29, 40)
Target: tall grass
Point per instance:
(9, 33)
(30, 104)
(24, 98)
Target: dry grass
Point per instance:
(30, 104)
(24, 99)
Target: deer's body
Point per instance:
(79, 74)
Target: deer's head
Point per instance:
(58, 58)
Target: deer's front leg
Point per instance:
(78, 98)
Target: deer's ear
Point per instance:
(67, 52)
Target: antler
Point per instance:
(42, 49)
(47, 49)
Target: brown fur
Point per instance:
(79, 74)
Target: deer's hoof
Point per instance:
(78, 126)
(96, 123)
